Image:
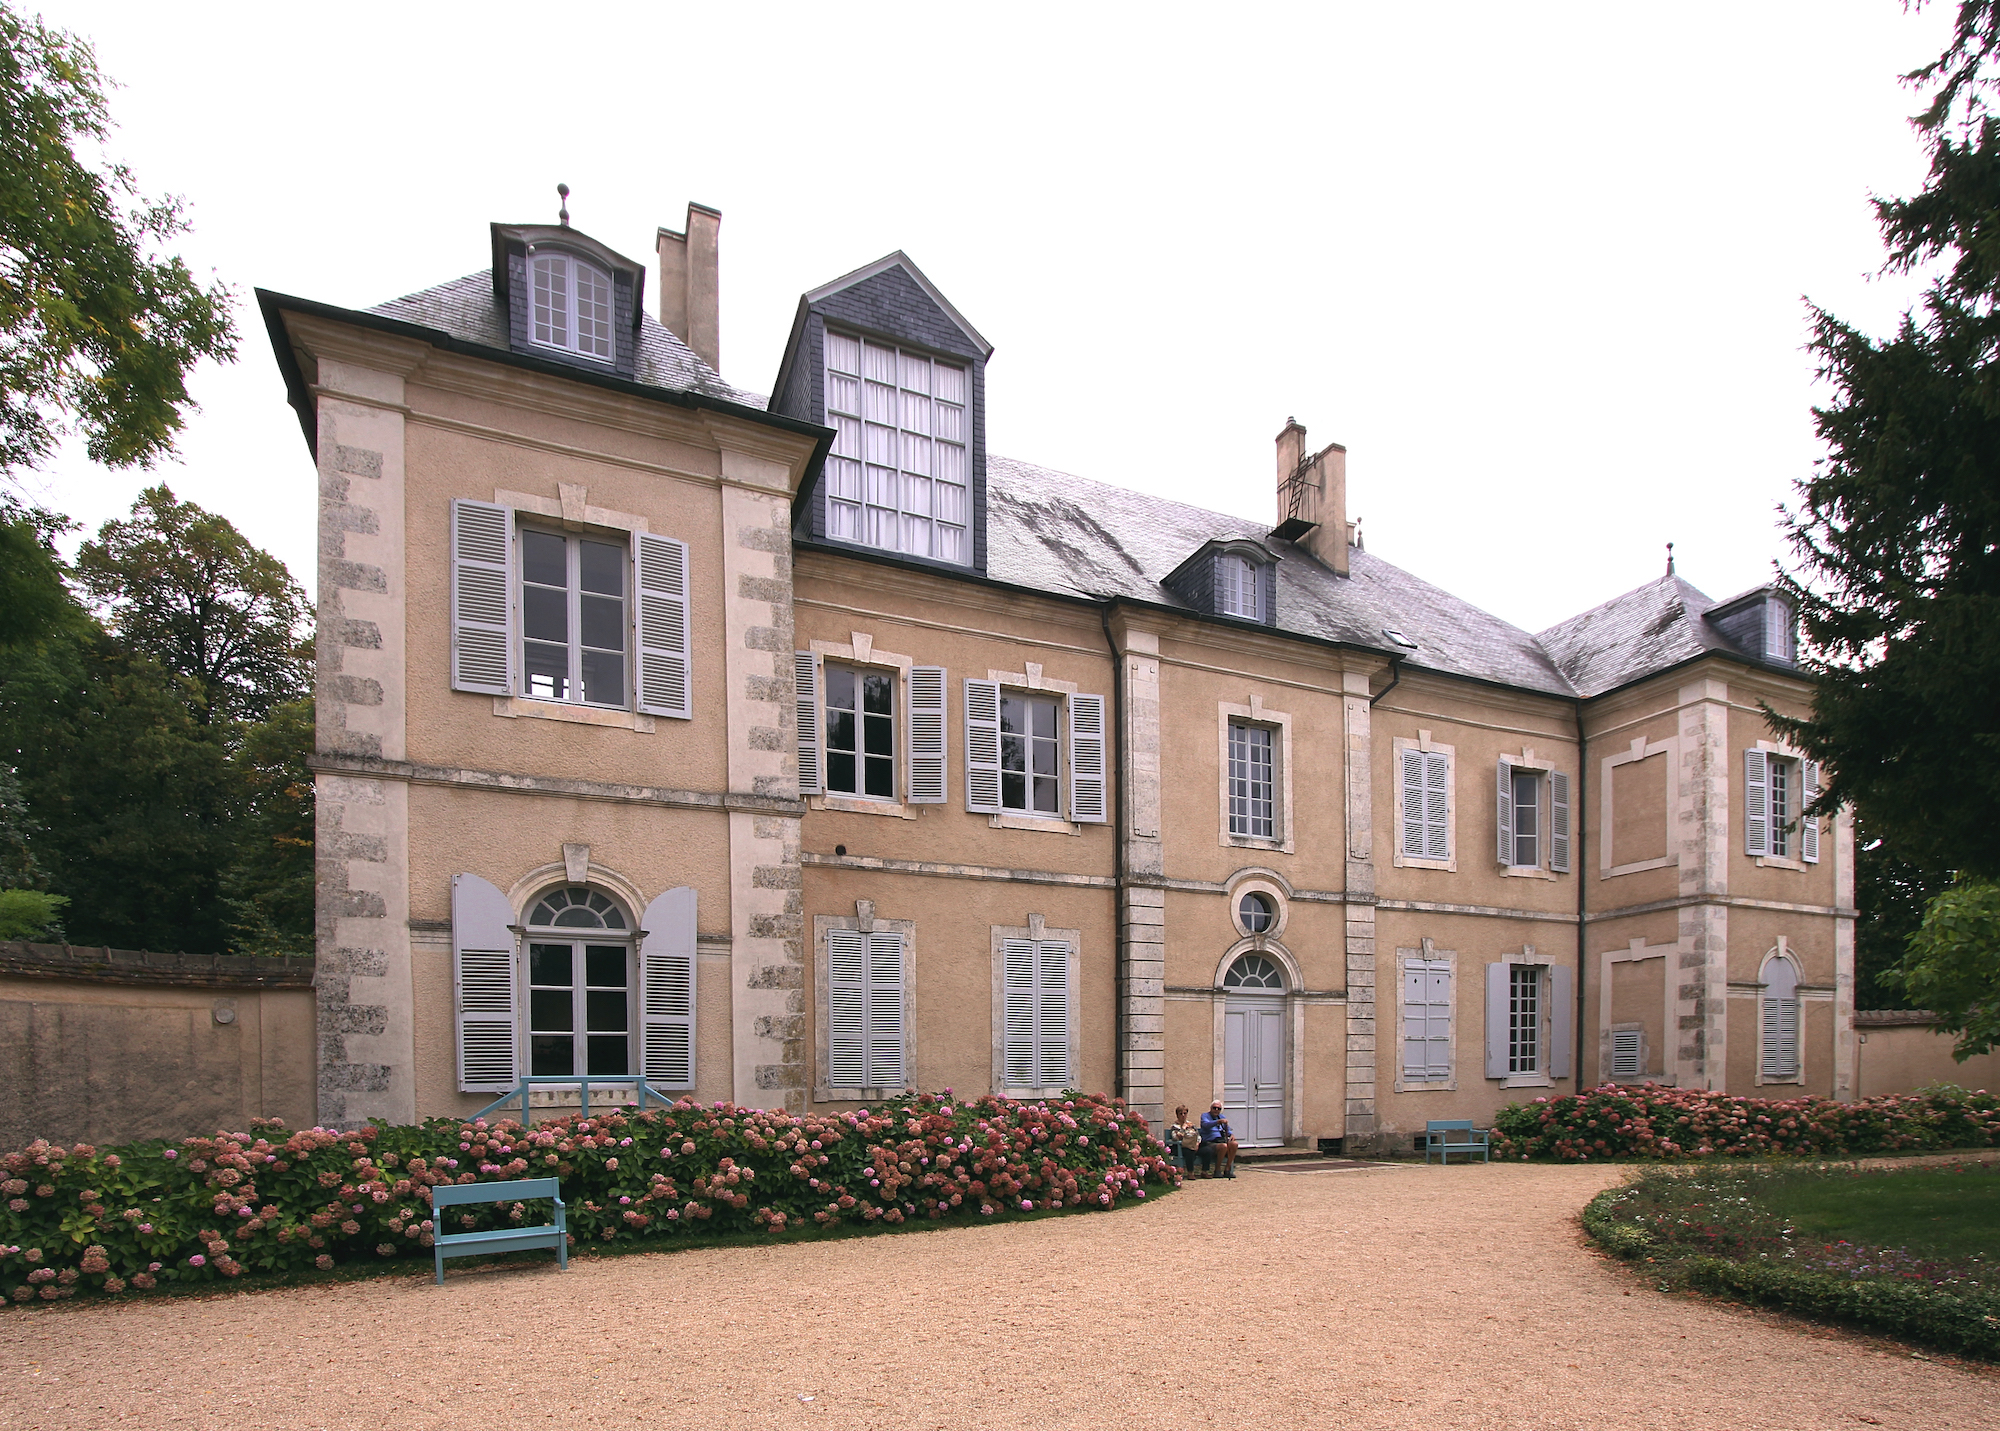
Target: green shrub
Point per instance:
(273, 1202)
(31, 914)
(1911, 1311)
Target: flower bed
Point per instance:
(276, 1202)
(1626, 1122)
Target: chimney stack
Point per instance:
(1312, 497)
(690, 294)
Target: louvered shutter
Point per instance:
(1052, 1015)
(1809, 824)
(1558, 822)
(1414, 766)
(1627, 1054)
(1086, 759)
(805, 680)
(660, 566)
(1437, 789)
(482, 985)
(1506, 811)
(982, 747)
(1781, 1038)
(846, 1008)
(481, 639)
(1756, 803)
(885, 1010)
(667, 994)
(1496, 1020)
(1018, 975)
(1562, 1021)
(926, 717)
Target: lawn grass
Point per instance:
(1940, 1212)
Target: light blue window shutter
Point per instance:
(1437, 1026)
(1506, 811)
(1756, 803)
(926, 686)
(1627, 1054)
(660, 566)
(846, 1008)
(483, 985)
(1086, 759)
(885, 1010)
(1562, 1020)
(482, 642)
(1496, 1020)
(1052, 1015)
(982, 747)
(805, 681)
(1809, 824)
(667, 995)
(1559, 822)
(1018, 1034)
(1437, 792)
(1413, 805)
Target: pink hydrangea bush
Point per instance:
(1644, 1122)
(276, 1202)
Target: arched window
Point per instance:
(579, 986)
(1779, 1006)
(575, 907)
(1253, 971)
(1238, 583)
(570, 304)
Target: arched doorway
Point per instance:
(1253, 1050)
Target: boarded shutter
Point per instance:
(1426, 1019)
(481, 642)
(1413, 805)
(1086, 759)
(982, 747)
(1756, 804)
(805, 681)
(1414, 1010)
(1018, 976)
(660, 565)
(846, 999)
(1627, 1054)
(885, 1010)
(1506, 809)
(1052, 1015)
(926, 735)
(1809, 824)
(1562, 1021)
(666, 983)
(1496, 1020)
(1558, 822)
(1437, 791)
(482, 979)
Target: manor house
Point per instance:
(799, 751)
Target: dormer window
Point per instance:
(1232, 577)
(570, 306)
(897, 477)
(1238, 587)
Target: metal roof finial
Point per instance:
(562, 190)
(1670, 558)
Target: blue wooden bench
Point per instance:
(506, 1239)
(1445, 1136)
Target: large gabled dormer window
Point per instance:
(898, 475)
(570, 304)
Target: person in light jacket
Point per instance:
(1218, 1143)
(1184, 1138)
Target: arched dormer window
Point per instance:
(570, 304)
(1239, 586)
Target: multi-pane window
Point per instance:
(1255, 911)
(1524, 1018)
(1527, 797)
(579, 1009)
(860, 732)
(1252, 800)
(898, 473)
(571, 305)
(573, 618)
(1028, 755)
(1778, 790)
(1783, 776)
(1238, 582)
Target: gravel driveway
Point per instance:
(1381, 1297)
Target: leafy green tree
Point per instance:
(188, 589)
(98, 329)
(31, 914)
(1890, 895)
(33, 597)
(270, 885)
(1953, 964)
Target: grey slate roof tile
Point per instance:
(466, 309)
(1647, 629)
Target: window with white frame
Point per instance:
(860, 732)
(865, 1008)
(1530, 1019)
(570, 305)
(1534, 817)
(579, 986)
(1030, 754)
(573, 618)
(1777, 790)
(1524, 1019)
(1021, 745)
(1252, 789)
(899, 474)
(1036, 976)
(1778, 1032)
(1239, 585)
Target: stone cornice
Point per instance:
(370, 768)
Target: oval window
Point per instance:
(1256, 913)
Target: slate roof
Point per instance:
(466, 309)
(1647, 629)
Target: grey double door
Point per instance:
(1253, 1069)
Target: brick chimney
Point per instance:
(1312, 497)
(690, 295)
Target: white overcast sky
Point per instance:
(1540, 267)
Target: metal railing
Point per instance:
(637, 1082)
